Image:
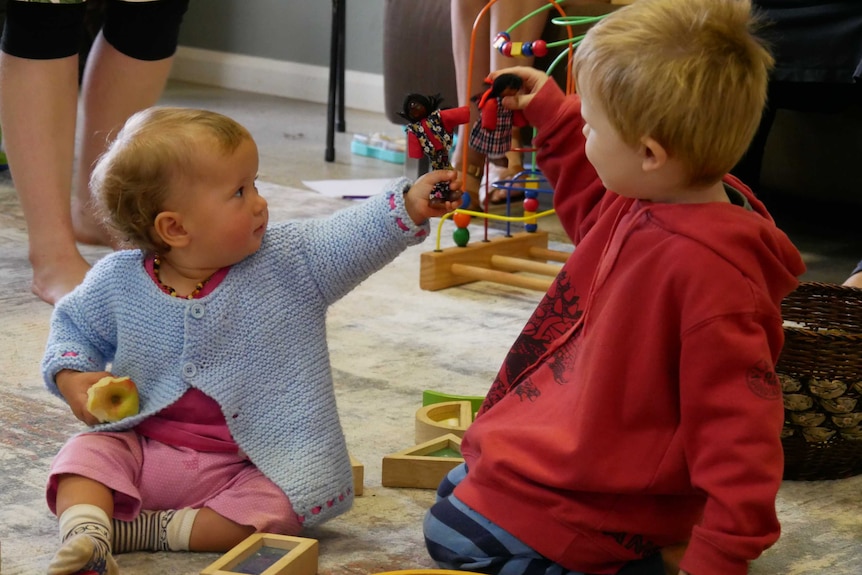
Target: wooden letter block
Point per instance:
(441, 418)
(268, 554)
(358, 476)
(423, 466)
(430, 396)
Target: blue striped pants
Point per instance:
(458, 537)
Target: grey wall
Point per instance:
(290, 30)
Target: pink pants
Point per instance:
(148, 474)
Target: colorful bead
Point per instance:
(531, 205)
(461, 220)
(504, 45)
(157, 263)
(531, 228)
(501, 39)
(539, 48)
(461, 237)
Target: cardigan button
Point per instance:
(198, 310)
(189, 370)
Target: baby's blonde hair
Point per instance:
(690, 74)
(157, 147)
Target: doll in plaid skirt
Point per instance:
(492, 132)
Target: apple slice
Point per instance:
(112, 399)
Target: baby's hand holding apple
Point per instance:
(75, 387)
(112, 399)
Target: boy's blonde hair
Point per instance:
(147, 162)
(690, 74)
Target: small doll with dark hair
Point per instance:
(492, 132)
(429, 133)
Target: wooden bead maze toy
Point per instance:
(521, 259)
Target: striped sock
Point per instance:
(85, 532)
(167, 530)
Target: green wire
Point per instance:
(559, 58)
(576, 40)
(539, 10)
(575, 20)
(559, 21)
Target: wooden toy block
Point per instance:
(518, 260)
(268, 554)
(430, 396)
(422, 466)
(358, 476)
(441, 418)
(427, 572)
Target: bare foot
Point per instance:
(497, 173)
(88, 230)
(56, 276)
(854, 281)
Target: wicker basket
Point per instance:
(820, 370)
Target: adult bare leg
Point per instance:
(115, 86)
(463, 14)
(505, 14)
(39, 134)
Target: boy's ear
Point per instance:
(654, 154)
(169, 227)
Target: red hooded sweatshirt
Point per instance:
(639, 407)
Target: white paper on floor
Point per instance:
(349, 189)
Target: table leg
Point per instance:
(336, 78)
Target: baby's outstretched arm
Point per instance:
(416, 198)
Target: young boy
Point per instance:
(638, 413)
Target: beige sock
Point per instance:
(85, 534)
(168, 530)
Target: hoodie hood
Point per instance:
(746, 238)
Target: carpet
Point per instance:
(389, 340)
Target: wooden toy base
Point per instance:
(519, 260)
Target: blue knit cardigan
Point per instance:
(256, 344)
